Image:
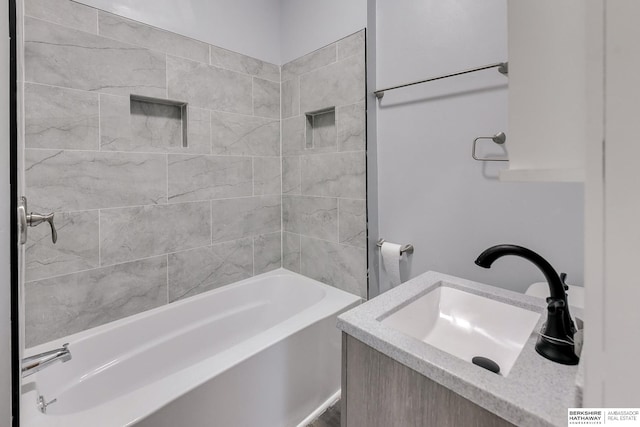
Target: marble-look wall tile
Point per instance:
(266, 175)
(338, 84)
(126, 30)
(294, 139)
(309, 62)
(352, 45)
(193, 177)
(128, 126)
(236, 134)
(311, 216)
(60, 56)
(248, 216)
(327, 244)
(352, 220)
(75, 250)
(291, 175)
(60, 118)
(351, 123)
(291, 251)
(64, 12)
(142, 221)
(344, 267)
(139, 232)
(83, 300)
(209, 87)
(203, 269)
(334, 175)
(290, 98)
(198, 131)
(266, 98)
(115, 125)
(233, 61)
(293, 136)
(59, 181)
(267, 252)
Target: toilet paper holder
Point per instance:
(405, 248)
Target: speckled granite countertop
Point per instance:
(537, 392)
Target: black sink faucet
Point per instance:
(556, 338)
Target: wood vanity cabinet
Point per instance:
(378, 391)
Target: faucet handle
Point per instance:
(34, 219)
(563, 279)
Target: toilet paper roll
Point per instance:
(391, 263)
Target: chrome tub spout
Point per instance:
(33, 364)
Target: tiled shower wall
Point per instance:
(323, 165)
(142, 220)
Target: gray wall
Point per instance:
(324, 184)
(431, 192)
(142, 221)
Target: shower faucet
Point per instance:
(555, 341)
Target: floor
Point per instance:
(329, 418)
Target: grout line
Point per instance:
(99, 123)
(99, 242)
(97, 92)
(300, 257)
(338, 221)
(321, 197)
(300, 173)
(147, 258)
(327, 241)
(281, 178)
(321, 240)
(99, 267)
(211, 221)
(159, 205)
(159, 153)
(167, 284)
(209, 113)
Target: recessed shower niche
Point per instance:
(160, 122)
(320, 128)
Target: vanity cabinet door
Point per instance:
(377, 391)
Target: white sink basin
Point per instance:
(467, 325)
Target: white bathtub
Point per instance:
(261, 352)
